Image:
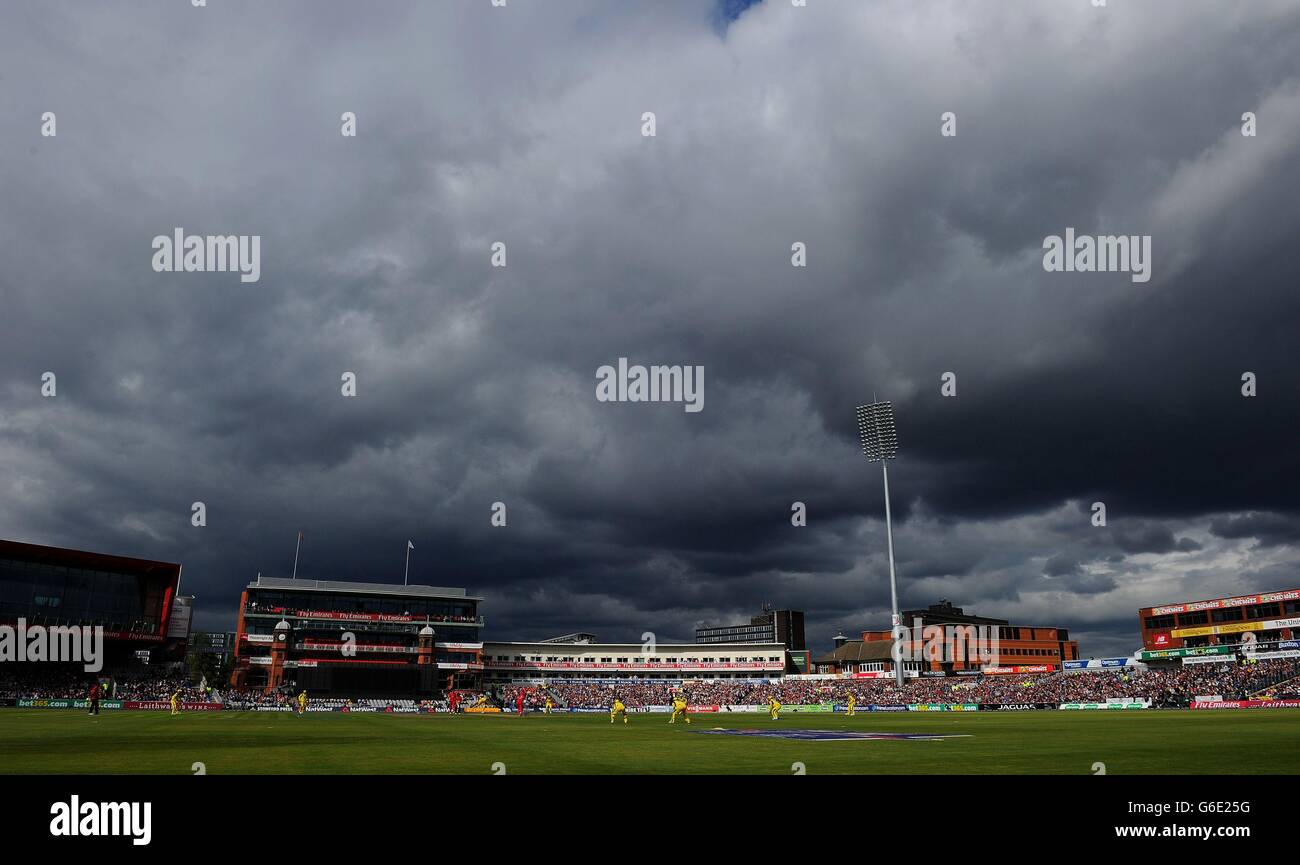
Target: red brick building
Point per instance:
(1013, 648)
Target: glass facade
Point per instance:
(47, 593)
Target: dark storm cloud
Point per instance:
(1141, 538)
(1268, 529)
(1061, 565)
(476, 384)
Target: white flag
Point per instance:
(410, 546)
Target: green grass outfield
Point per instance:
(50, 741)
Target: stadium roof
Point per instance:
(348, 588)
(945, 613)
(859, 650)
(84, 559)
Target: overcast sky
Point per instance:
(774, 125)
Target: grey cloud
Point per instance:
(476, 385)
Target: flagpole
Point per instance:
(407, 574)
(297, 547)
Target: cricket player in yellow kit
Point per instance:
(616, 709)
(302, 703)
(852, 702)
(774, 707)
(176, 702)
(679, 708)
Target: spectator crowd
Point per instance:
(1168, 687)
(30, 684)
(1176, 686)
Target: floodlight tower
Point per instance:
(880, 443)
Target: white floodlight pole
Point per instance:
(879, 438)
(893, 579)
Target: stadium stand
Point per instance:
(1173, 686)
(1164, 688)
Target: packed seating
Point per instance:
(150, 685)
(1168, 687)
(1171, 687)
